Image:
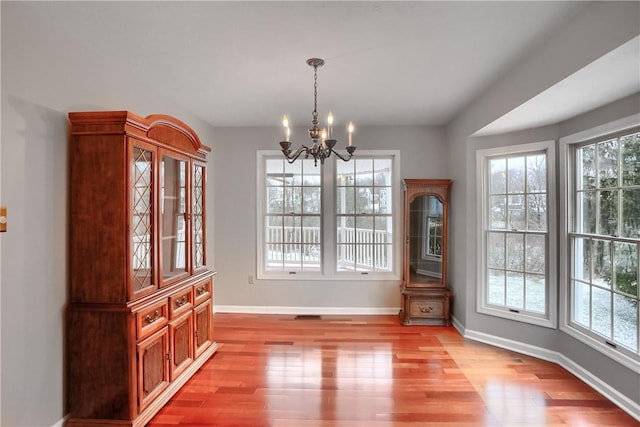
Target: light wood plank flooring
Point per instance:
(369, 371)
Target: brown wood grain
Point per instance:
(369, 371)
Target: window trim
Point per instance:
(566, 184)
(328, 217)
(550, 319)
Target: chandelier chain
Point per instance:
(315, 96)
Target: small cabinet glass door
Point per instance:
(142, 209)
(173, 217)
(425, 240)
(198, 215)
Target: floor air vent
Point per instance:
(307, 317)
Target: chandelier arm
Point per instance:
(345, 159)
(292, 157)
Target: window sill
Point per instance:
(518, 317)
(334, 277)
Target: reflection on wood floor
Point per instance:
(369, 371)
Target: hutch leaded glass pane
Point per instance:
(142, 207)
(198, 217)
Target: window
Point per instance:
(364, 215)
(604, 243)
(517, 242)
(292, 217)
(329, 221)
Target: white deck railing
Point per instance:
(357, 248)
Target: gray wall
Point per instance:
(41, 83)
(422, 153)
(594, 32)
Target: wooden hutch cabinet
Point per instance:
(139, 320)
(425, 297)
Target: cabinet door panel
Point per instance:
(204, 326)
(153, 367)
(180, 333)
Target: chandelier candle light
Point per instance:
(322, 149)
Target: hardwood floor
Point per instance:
(369, 371)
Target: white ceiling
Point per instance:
(243, 63)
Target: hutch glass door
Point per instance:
(198, 216)
(142, 223)
(173, 217)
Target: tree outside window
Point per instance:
(606, 240)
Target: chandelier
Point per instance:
(323, 141)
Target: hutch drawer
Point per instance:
(152, 318)
(202, 292)
(180, 302)
(427, 307)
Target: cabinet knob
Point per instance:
(201, 290)
(181, 301)
(150, 319)
(426, 309)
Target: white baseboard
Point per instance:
(257, 309)
(622, 401)
(456, 324)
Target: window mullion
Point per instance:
(612, 253)
(619, 190)
(329, 222)
(597, 189)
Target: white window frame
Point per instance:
(328, 219)
(566, 172)
(550, 318)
